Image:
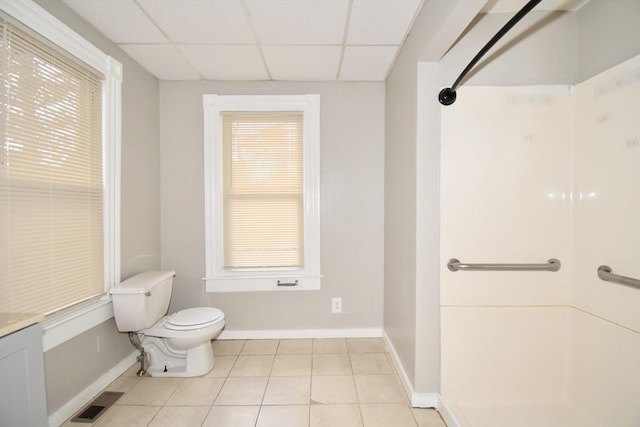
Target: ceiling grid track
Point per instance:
(171, 42)
(256, 38)
(344, 38)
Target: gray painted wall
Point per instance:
(400, 201)
(541, 49)
(608, 33)
(75, 364)
(351, 207)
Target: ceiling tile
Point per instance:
(202, 21)
(163, 61)
(215, 62)
(310, 63)
(381, 21)
(121, 21)
(299, 22)
(366, 63)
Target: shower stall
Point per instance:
(529, 174)
(537, 160)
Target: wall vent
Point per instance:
(99, 405)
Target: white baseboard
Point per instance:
(300, 333)
(425, 400)
(447, 415)
(418, 400)
(71, 407)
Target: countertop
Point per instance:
(11, 322)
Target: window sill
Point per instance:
(69, 323)
(262, 284)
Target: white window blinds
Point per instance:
(263, 190)
(51, 176)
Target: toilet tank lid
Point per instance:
(142, 282)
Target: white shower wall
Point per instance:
(528, 174)
(604, 369)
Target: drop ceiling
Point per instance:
(312, 40)
(294, 40)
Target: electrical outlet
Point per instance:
(336, 305)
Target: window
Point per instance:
(59, 121)
(262, 192)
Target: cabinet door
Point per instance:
(22, 391)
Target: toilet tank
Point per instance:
(141, 300)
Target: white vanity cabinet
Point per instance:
(22, 388)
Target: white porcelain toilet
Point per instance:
(177, 345)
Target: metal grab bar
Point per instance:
(605, 273)
(552, 265)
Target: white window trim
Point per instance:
(217, 278)
(72, 322)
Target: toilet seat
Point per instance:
(193, 318)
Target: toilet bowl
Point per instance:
(188, 328)
(176, 345)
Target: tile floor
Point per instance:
(274, 383)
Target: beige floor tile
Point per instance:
(284, 416)
(150, 391)
(252, 366)
(127, 416)
(288, 365)
(232, 416)
(123, 384)
(71, 424)
(335, 416)
(333, 389)
(295, 346)
(132, 371)
(387, 415)
(371, 363)
(284, 376)
(227, 347)
(180, 416)
(242, 391)
(329, 345)
(379, 389)
(428, 418)
(260, 347)
(288, 391)
(196, 391)
(222, 366)
(331, 364)
(366, 345)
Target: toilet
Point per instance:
(175, 345)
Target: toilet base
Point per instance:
(167, 362)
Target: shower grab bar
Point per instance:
(605, 273)
(552, 265)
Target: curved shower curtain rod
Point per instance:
(447, 95)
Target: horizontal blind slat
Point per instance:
(51, 177)
(263, 189)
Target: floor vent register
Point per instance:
(99, 405)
